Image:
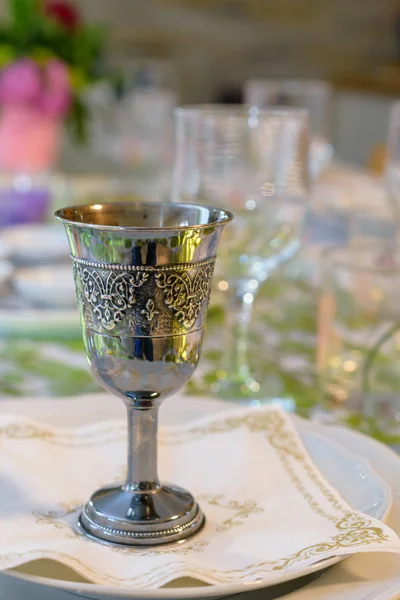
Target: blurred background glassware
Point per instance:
(347, 208)
(253, 162)
(130, 131)
(147, 133)
(33, 245)
(143, 275)
(312, 94)
(24, 198)
(102, 103)
(358, 349)
(135, 134)
(392, 167)
(46, 286)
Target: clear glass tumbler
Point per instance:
(392, 169)
(359, 333)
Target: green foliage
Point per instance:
(24, 361)
(371, 426)
(77, 120)
(289, 315)
(29, 32)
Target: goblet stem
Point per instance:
(238, 382)
(142, 449)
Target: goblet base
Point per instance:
(123, 517)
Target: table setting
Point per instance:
(374, 576)
(120, 516)
(213, 558)
(258, 300)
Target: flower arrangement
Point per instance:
(47, 58)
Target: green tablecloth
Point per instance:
(282, 355)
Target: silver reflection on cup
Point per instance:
(142, 274)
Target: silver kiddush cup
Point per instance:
(142, 273)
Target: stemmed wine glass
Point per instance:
(254, 162)
(315, 95)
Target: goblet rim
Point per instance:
(240, 110)
(225, 216)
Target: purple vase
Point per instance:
(23, 201)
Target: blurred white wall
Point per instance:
(201, 46)
(215, 41)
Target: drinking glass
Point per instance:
(146, 128)
(142, 275)
(314, 95)
(392, 170)
(254, 162)
(359, 332)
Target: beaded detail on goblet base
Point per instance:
(172, 515)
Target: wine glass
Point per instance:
(142, 274)
(312, 94)
(254, 162)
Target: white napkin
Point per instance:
(268, 508)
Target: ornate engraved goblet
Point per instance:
(142, 274)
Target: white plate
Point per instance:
(348, 472)
(35, 244)
(47, 286)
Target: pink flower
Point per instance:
(55, 104)
(57, 75)
(55, 98)
(20, 82)
(45, 88)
